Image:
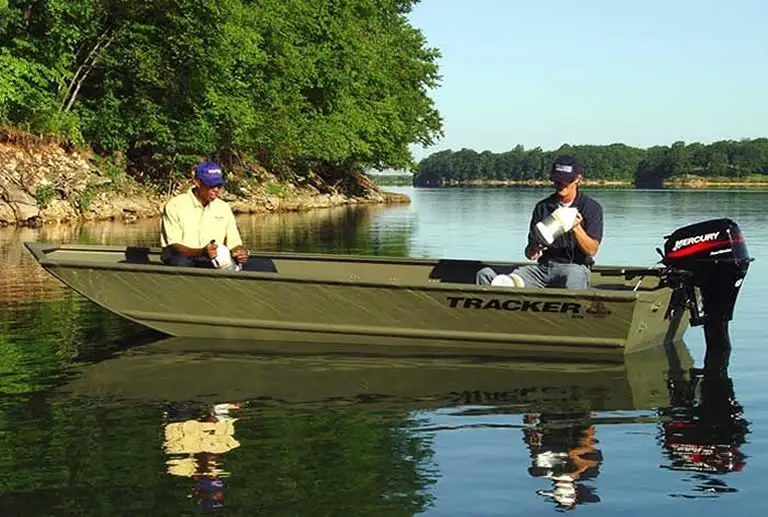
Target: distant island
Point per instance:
(694, 165)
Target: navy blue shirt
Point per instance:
(565, 249)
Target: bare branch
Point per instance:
(103, 41)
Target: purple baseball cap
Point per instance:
(209, 173)
(565, 169)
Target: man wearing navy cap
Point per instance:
(196, 222)
(565, 262)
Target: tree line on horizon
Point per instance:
(295, 86)
(728, 160)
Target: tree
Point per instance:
(296, 86)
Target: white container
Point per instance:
(556, 224)
(510, 280)
(223, 259)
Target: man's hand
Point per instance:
(209, 250)
(533, 251)
(240, 254)
(579, 219)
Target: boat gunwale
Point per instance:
(41, 251)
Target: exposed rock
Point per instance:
(24, 206)
(71, 188)
(135, 205)
(57, 211)
(6, 214)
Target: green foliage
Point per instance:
(648, 168)
(86, 197)
(44, 194)
(275, 189)
(296, 84)
(112, 167)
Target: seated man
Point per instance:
(197, 221)
(566, 262)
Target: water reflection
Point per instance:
(703, 429)
(272, 428)
(361, 407)
(563, 449)
(345, 229)
(195, 441)
(356, 229)
(179, 369)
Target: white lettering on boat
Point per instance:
(706, 237)
(462, 302)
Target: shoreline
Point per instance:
(129, 209)
(42, 184)
(697, 183)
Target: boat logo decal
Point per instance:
(706, 237)
(512, 304)
(598, 308)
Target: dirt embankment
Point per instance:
(41, 182)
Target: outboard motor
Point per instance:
(711, 256)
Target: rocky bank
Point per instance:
(42, 182)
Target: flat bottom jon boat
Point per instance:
(429, 303)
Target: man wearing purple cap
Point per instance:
(196, 222)
(567, 260)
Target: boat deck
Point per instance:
(338, 268)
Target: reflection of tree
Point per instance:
(562, 448)
(39, 342)
(333, 462)
(310, 462)
(104, 457)
(24, 280)
(703, 428)
(345, 229)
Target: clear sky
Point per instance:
(642, 72)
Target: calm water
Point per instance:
(100, 417)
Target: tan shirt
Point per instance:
(186, 221)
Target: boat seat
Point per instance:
(261, 264)
(456, 271)
(136, 255)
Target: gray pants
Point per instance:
(552, 274)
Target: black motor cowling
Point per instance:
(711, 256)
(715, 256)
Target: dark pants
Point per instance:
(264, 265)
(180, 260)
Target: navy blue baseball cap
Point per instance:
(209, 173)
(565, 169)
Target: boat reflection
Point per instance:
(702, 430)
(208, 393)
(183, 369)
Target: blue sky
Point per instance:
(548, 72)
